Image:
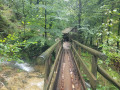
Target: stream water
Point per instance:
(15, 76)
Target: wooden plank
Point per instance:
(91, 77)
(109, 78)
(92, 51)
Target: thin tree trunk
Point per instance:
(37, 1)
(80, 38)
(109, 29)
(102, 29)
(91, 41)
(24, 15)
(45, 21)
(80, 12)
(118, 35)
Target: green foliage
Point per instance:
(101, 87)
(99, 21)
(110, 51)
(9, 48)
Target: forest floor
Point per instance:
(16, 79)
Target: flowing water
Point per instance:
(22, 76)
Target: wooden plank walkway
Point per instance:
(68, 76)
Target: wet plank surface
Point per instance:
(68, 77)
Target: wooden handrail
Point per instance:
(53, 69)
(92, 51)
(46, 54)
(95, 67)
(45, 57)
(91, 77)
(109, 78)
(54, 80)
(83, 82)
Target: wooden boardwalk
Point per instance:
(69, 79)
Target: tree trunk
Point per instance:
(45, 21)
(80, 38)
(91, 41)
(118, 35)
(37, 1)
(24, 15)
(108, 33)
(80, 12)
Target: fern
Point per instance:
(34, 40)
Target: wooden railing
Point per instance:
(52, 68)
(47, 58)
(93, 74)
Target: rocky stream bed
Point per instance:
(21, 77)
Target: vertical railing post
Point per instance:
(49, 64)
(46, 74)
(56, 50)
(79, 51)
(94, 67)
(74, 53)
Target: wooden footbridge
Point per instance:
(65, 71)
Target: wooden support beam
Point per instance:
(92, 51)
(91, 77)
(109, 78)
